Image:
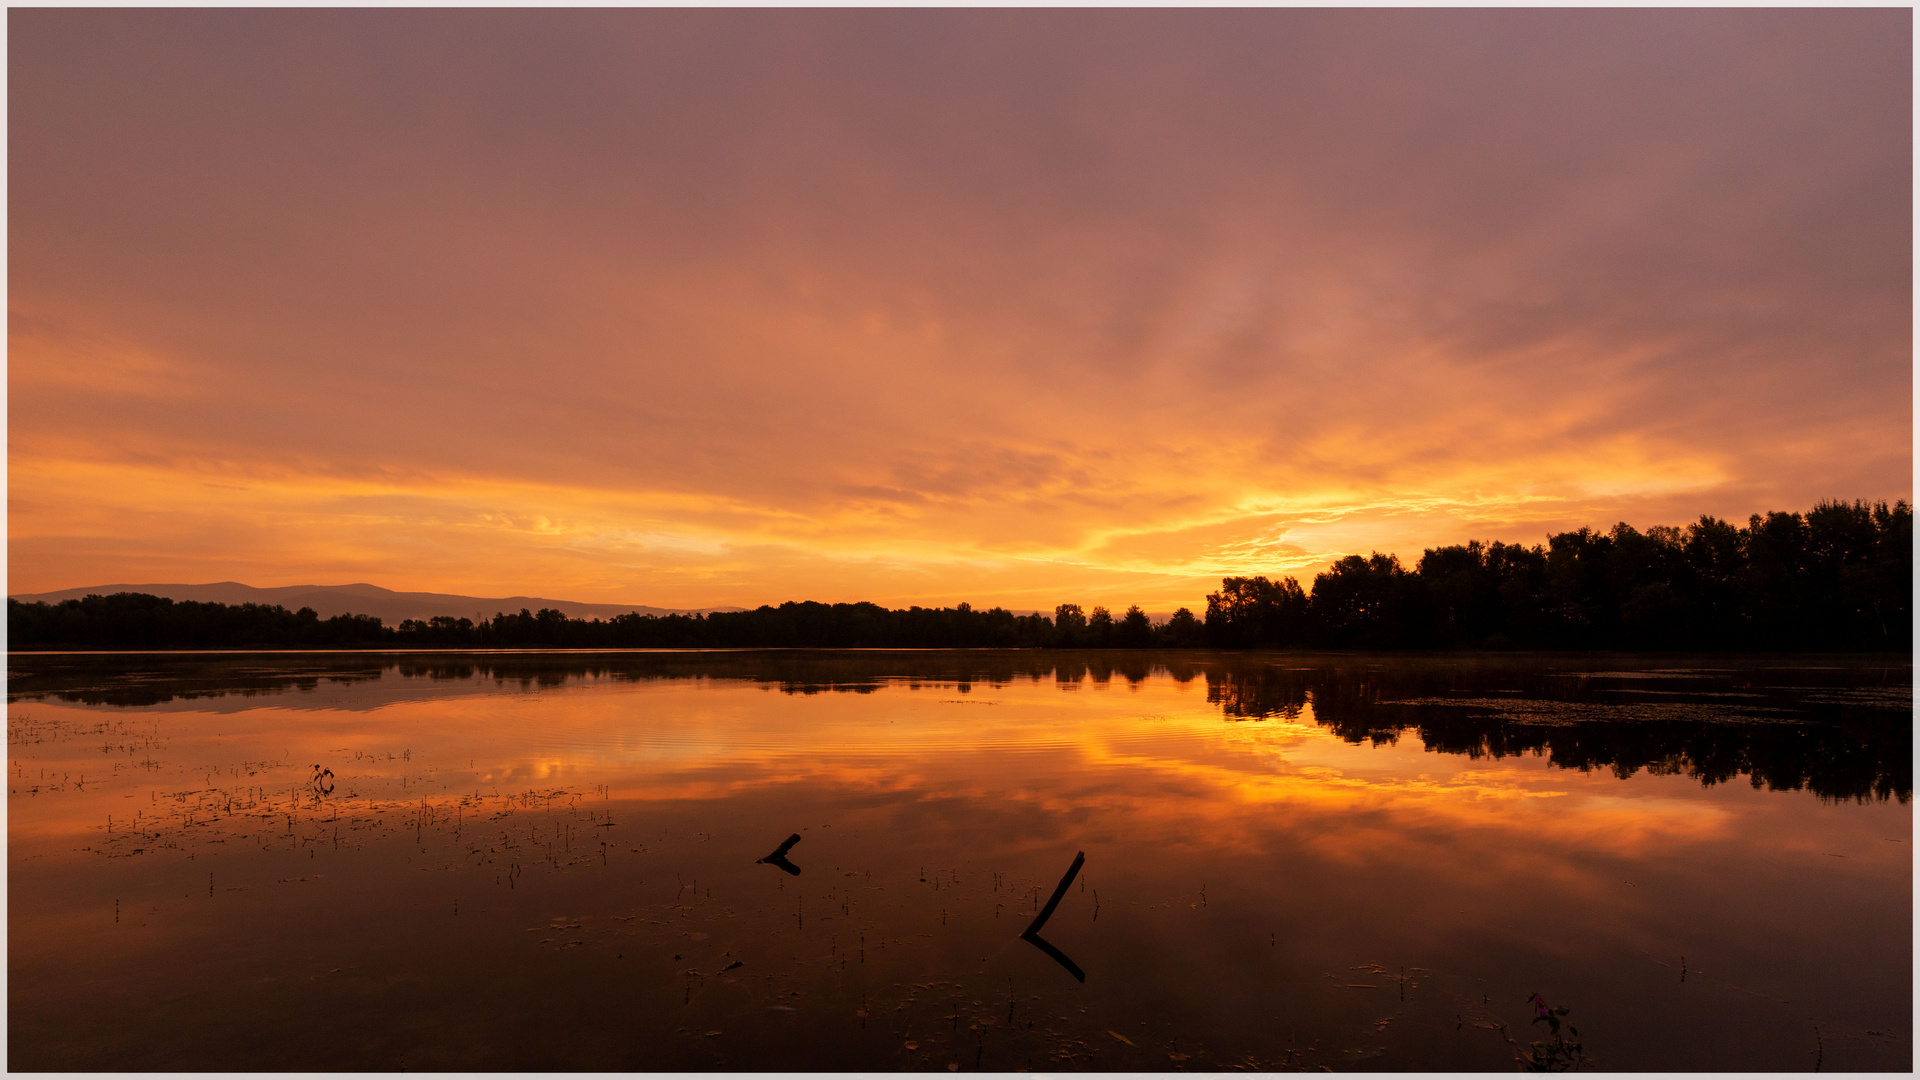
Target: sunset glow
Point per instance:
(1188, 778)
(698, 308)
(1387, 851)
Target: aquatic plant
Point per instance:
(1560, 1051)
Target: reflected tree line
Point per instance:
(1840, 744)
(1833, 579)
(1840, 731)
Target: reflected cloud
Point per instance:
(1323, 754)
(1253, 830)
(1779, 726)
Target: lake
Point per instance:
(580, 861)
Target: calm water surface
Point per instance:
(288, 861)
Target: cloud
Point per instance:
(991, 295)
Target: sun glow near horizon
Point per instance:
(696, 550)
(853, 311)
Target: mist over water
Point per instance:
(509, 861)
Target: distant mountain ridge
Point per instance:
(361, 598)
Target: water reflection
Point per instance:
(1837, 727)
(779, 856)
(1785, 727)
(1031, 934)
(539, 862)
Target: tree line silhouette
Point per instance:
(1837, 578)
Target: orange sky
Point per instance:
(694, 308)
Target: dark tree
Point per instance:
(1069, 626)
(1369, 603)
(1135, 630)
(1836, 578)
(1182, 631)
(1252, 612)
(1100, 628)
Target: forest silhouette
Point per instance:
(1836, 578)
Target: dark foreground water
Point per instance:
(511, 861)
